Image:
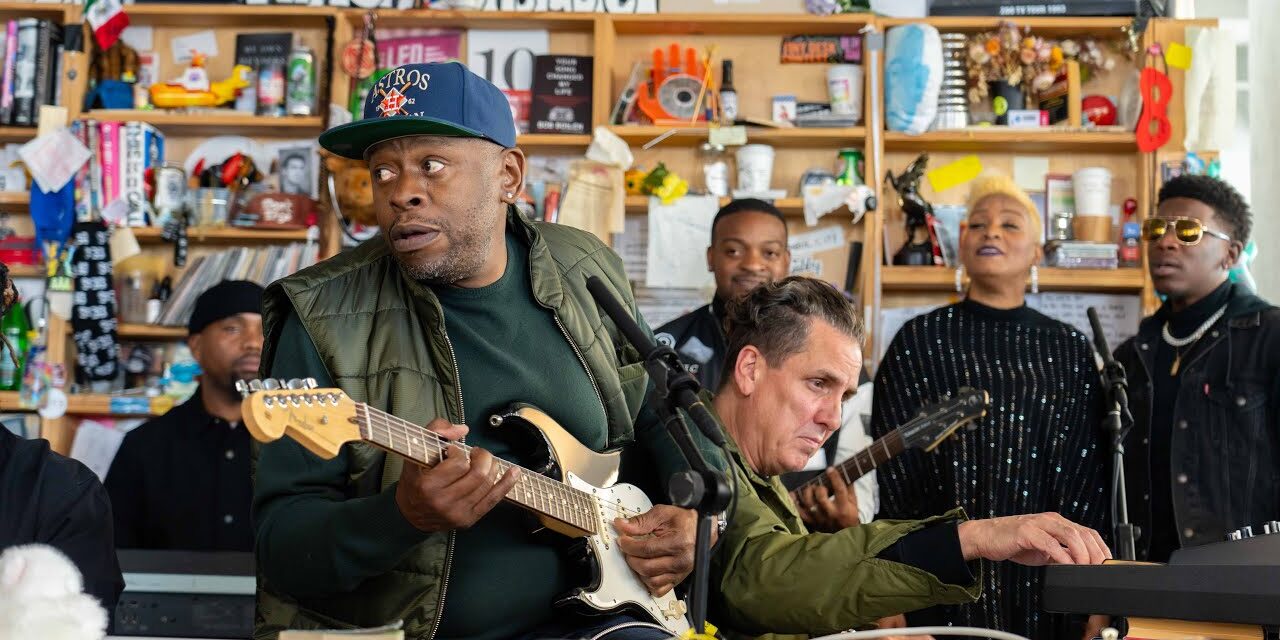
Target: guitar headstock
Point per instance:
(938, 421)
(322, 420)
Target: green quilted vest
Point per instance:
(382, 339)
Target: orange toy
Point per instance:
(672, 91)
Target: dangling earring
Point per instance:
(1035, 279)
(960, 279)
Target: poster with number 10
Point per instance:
(505, 58)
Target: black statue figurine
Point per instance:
(919, 249)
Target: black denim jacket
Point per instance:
(1225, 447)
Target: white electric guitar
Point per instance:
(573, 494)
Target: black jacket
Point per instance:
(49, 499)
(1225, 432)
(698, 338)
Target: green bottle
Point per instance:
(14, 326)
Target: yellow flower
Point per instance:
(993, 46)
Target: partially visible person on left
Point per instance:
(181, 481)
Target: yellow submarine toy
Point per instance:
(193, 88)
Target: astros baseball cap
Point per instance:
(435, 99)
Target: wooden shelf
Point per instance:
(26, 271)
(229, 15)
(739, 24)
(9, 402)
(100, 404)
(549, 20)
(225, 235)
(788, 206)
(46, 10)
(985, 138)
(157, 332)
(1098, 27)
(213, 122)
(943, 279)
(17, 134)
(15, 198)
(529, 140)
(637, 135)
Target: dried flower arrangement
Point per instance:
(1021, 59)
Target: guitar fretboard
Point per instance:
(863, 462)
(533, 491)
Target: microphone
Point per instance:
(1099, 338)
(682, 386)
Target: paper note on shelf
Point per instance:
(955, 173)
(202, 42)
(595, 200)
(1029, 172)
(678, 238)
(1178, 56)
(1119, 314)
(811, 242)
(54, 158)
(96, 445)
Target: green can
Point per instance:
(300, 97)
(849, 169)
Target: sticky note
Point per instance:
(1029, 172)
(1178, 56)
(727, 136)
(954, 174)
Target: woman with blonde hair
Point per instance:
(1039, 448)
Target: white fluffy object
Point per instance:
(40, 597)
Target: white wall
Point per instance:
(1264, 119)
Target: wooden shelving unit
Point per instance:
(636, 135)
(178, 14)
(26, 271)
(943, 280)
(788, 206)
(16, 134)
(14, 199)
(545, 140)
(211, 122)
(97, 404)
(1023, 140)
(224, 235)
(9, 402)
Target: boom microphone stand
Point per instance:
(702, 488)
(1118, 422)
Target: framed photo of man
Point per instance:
(297, 168)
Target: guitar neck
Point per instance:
(537, 493)
(863, 462)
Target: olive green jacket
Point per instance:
(381, 337)
(770, 575)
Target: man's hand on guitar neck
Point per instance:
(658, 545)
(822, 512)
(455, 493)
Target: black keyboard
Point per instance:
(1235, 582)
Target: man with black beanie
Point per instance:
(181, 481)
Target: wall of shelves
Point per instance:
(616, 43)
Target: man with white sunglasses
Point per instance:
(1203, 457)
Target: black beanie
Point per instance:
(223, 300)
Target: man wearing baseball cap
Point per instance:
(460, 309)
(181, 481)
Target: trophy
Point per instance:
(921, 247)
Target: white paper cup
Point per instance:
(844, 84)
(1092, 188)
(755, 167)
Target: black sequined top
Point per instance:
(1038, 449)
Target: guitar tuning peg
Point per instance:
(294, 383)
(255, 385)
(271, 384)
(243, 388)
(310, 383)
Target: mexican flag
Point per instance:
(108, 19)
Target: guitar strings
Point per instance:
(554, 495)
(893, 437)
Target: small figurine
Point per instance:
(921, 247)
(193, 88)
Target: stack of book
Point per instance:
(123, 153)
(262, 265)
(29, 69)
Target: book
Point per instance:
(561, 101)
(24, 73)
(10, 51)
(109, 158)
(48, 40)
(261, 49)
(142, 148)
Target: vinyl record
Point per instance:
(678, 94)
